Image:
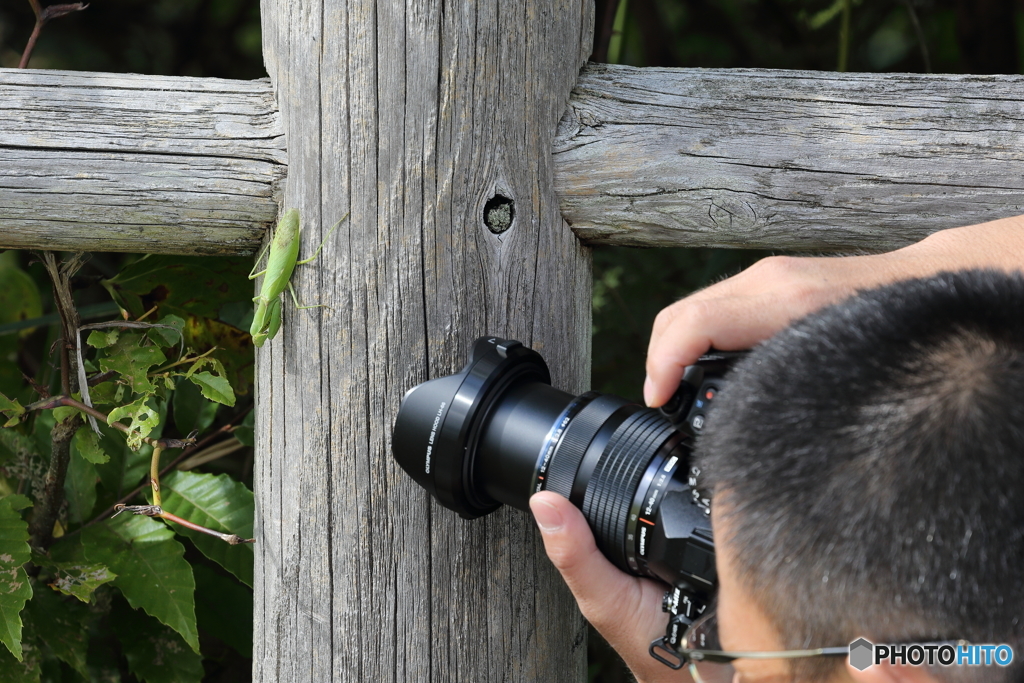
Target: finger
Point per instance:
(602, 591)
(668, 315)
(727, 324)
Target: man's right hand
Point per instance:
(752, 306)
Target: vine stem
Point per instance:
(157, 511)
(43, 15)
(154, 475)
(68, 402)
(844, 36)
(228, 428)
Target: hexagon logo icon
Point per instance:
(862, 654)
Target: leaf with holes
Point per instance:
(15, 589)
(87, 443)
(151, 569)
(128, 358)
(144, 420)
(12, 409)
(218, 502)
(79, 579)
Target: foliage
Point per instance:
(127, 585)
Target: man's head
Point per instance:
(868, 468)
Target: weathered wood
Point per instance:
(113, 162)
(411, 116)
(786, 159)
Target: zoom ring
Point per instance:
(617, 476)
(568, 455)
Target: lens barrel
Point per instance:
(498, 432)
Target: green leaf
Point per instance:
(80, 487)
(132, 361)
(26, 670)
(63, 625)
(72, 573)
(164, 336)
(826, 15)
(245, 431)
(18, 501)
(191, 410)
(79, 579)
(217, 502)
(19, 294)
(183, 285)
(151, 569)
(126, 469)
(144, 419)
(214, 388)
(155, 653)
(104, 394)
(101, 339)
(15, 589)
(63, 413)
(234, 348)
(224, 608)
(87, 444)
(12, 409)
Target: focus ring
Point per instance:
(617, 476)
(565, 461)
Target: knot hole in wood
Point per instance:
(499, 212)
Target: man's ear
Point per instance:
(887, 673)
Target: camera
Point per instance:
(497, 432)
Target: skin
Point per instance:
(626, 609)
(750, 307)
(737, 313)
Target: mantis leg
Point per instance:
(296, 300)
(317, 252)
(252, 274)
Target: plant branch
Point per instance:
(157, 511)
(176, 363)
(844, 36)
(68, 402)
(226, 429)
(45, 514)
(154, 475)
(43, 15)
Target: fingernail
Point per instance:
(648, 390)
(549, 519)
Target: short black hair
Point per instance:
(870, 460)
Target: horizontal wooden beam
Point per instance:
(790, 160)
(114, 162)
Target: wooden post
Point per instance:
(412, 117)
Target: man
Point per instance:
(866, 464)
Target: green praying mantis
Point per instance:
(284, 252)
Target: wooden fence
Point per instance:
(412, 118)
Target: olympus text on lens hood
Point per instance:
(497, 432)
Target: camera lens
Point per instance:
(498, 432)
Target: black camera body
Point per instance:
(497, 432)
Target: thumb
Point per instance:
(625, 609)
(604, 593)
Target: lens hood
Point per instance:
(439, 421)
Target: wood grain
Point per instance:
(410, 117)
(115, 162)
(786, 160)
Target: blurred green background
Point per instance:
(222, 38)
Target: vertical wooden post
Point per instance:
(411, 116)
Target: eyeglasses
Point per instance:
(702, 654)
